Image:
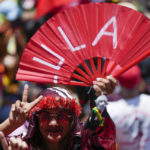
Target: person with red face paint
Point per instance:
(131, 113)
(54, 123)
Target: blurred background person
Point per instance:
(145, 70)
(131, 114)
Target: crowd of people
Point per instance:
(52, 120)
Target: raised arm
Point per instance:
(19, 113)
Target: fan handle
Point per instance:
(140, 58)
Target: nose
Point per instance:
(53, 122)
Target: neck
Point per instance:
(129, 93)
(54, 146)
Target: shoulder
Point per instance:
(145, 97)
(115, 109)
(116, 104)
(144, 102)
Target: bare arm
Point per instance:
(14, 143)
(6, 127)
(19, 113)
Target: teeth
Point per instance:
(51, 134)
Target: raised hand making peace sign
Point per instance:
(19, 112)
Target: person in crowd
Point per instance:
(131, 113)
(54, 123)
(144, 66)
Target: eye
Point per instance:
(44, 116)
(64, 115)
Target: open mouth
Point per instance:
(54, 134)
(55, 130)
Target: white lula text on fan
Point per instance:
(102, 32)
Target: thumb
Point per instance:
(3, 141)
(35, 102)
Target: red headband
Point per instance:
(57, 97)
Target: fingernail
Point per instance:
(22, 103)
(13, 109)
(41, 96)
(98, 79)
(26, 85)
(108, 77)
(94, 82)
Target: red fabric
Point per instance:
(104, 137)
(50, 102)
(131, 77)
(85, 32)
(45, 6)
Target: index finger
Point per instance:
(3, 141)
(25, 93)
(111, 78)
(35, 102)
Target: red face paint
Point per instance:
(62, 116)
(54, 124)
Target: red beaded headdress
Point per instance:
(57, 97)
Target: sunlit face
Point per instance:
(54, 124)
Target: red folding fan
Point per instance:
(85, 42)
